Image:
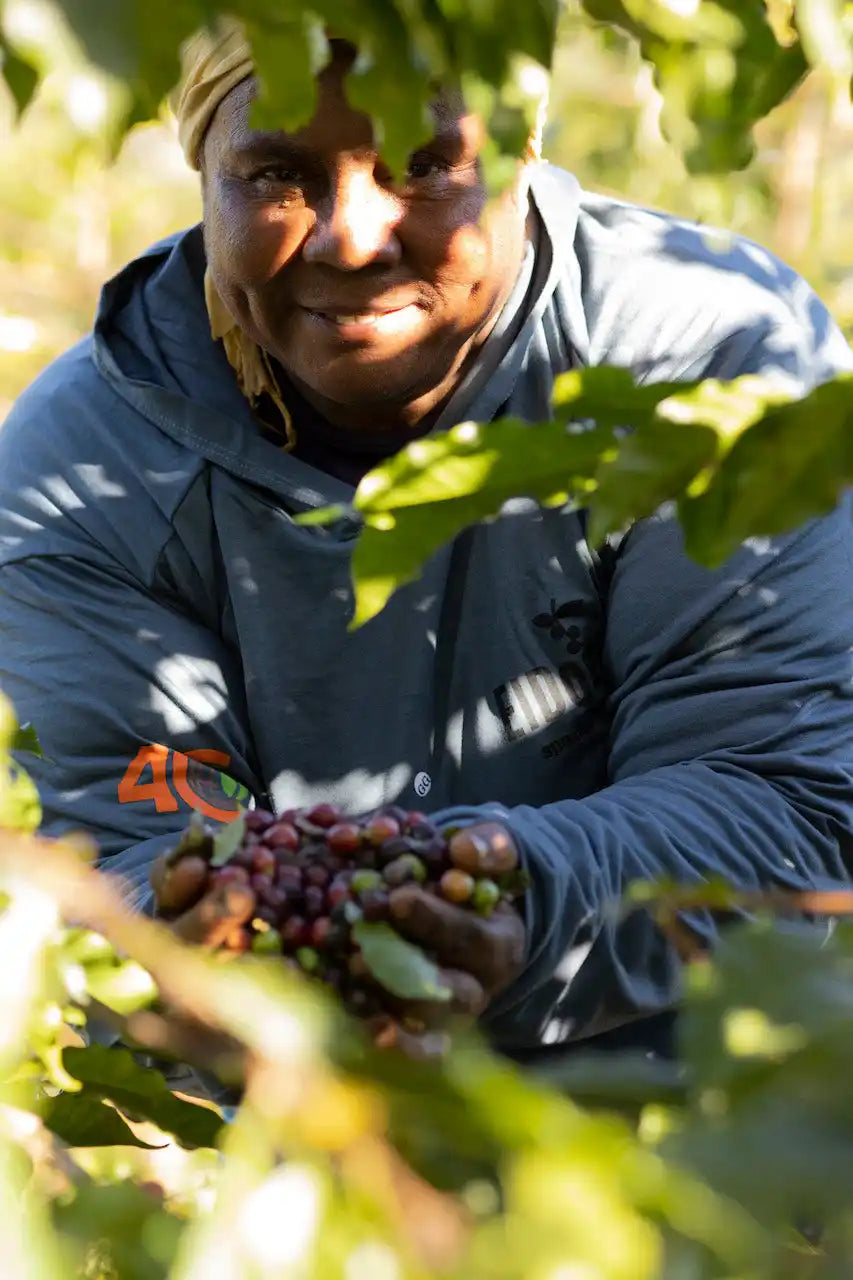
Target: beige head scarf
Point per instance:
(215, 62)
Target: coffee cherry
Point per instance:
(314, 875)
(295, 932)
(315, 902)
(344, 837)
(456, 885)
(229, 874)
(496, 859)
(338, 892)
(433, 853)
(308, 959)
(317, 875)
(289, 877)
(365, 880)
(321, 930)
(264, 861)
(391, 849)
(382, 827)
(282, 835)
(406, 868)
(485, 897)
(259, 819)
(324, 815)
(268, 943)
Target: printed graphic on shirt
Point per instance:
(530, 702)
(165, 778)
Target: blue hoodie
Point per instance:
(179, 643)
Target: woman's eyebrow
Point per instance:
(266, 145)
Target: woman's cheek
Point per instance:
(466, 255)
(261, 245)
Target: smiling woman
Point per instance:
(370, 292)
(577, 702)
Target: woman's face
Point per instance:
(370, 293)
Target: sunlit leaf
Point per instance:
(142, 1092)
(122, 985)
(26, 739)
(20, 807)
(84, 1120)
(20, 75)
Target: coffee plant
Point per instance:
(165, 1112)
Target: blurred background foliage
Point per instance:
(72, 211)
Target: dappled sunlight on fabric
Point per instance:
(356, 792)
(98, 482)
(189, 692)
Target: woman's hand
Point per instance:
(478, 955)
(212, 919)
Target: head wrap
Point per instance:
(214, 62)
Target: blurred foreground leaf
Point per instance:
(137, 1237)
(719, 68)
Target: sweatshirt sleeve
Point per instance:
(139, 709)
(731, 756)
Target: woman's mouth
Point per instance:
(359, 324)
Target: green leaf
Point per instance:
(654, 464)
(21, 76)
(122, 985)
(623, 1079)
(288, 53)
(114, 1074)
(138, 45)
(719, 69)
(400, 967)
(84, 1120)
(139, 1238)
(26, 739)
(793, 463)
(20, 807)
(227, 841)
(426, 494)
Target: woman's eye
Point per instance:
(421, 167)
(277, 177)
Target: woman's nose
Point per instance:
(355, 225)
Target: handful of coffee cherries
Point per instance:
(322, 884)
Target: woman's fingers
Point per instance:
(178, 886)
(216, 916)
(490, 948)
